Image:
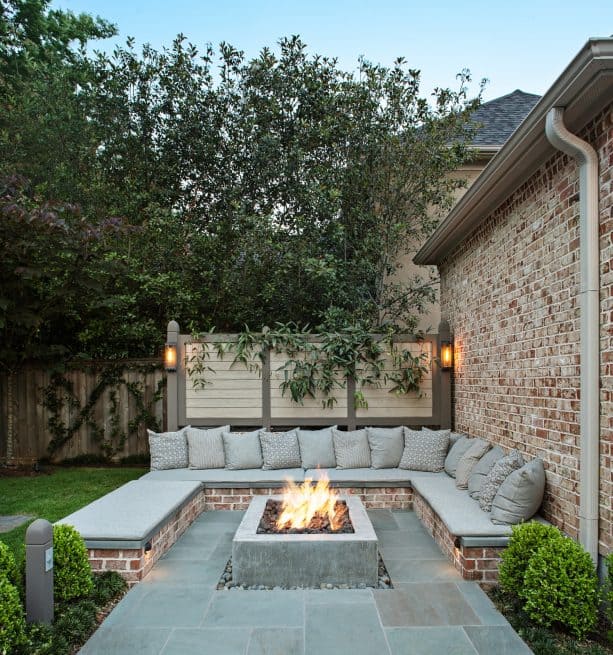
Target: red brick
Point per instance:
(510, 294)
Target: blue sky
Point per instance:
(519, 44)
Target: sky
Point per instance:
(516, 44)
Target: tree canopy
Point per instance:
(247, 191)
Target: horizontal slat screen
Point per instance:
(232, 391)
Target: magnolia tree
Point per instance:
(279, 188)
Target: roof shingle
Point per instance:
(499, 118)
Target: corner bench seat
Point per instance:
(131, 527)
(459, 512)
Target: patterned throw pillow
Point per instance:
(386, 446)
(497, 475)
(351, 449)
(481, 469)
(453, 436)
(424, 450)
(205, 447)
(280, 450)
(316, 448)
(242, 450)
(168, 450)
(467, 462)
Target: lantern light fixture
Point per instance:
(170, 357)
(446, 355)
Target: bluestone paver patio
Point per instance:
(176, 609)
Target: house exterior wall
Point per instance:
(429, 320)
(510, 293)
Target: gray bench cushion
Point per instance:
(131, 514)
(229, 478)
(458, 511)
(369, 477)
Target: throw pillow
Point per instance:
(316, 448)
(497, 475)
(520, 495)
(466, 463)
(205, 447)
(455, 452)
(481, 469)
(280, 450)
(242, 450)
(386, 446)
(453, 436)
(351, 449)
(424, 450)
(168, 450)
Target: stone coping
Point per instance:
(131, 514)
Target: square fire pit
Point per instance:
(305, 560)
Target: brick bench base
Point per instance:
(472, 562)
(372, 497)
(133, 564)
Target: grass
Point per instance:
(547, 641)
(54, 495)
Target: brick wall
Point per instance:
(510, 293)
(473, 563)
(372, 497)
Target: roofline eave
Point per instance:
(584, 88)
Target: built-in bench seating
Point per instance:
(130, 528)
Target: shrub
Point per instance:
(12, 622)
(86, 459)
(77, 622)
(525, 540)
(72, 571)
(8, 567)
(561, 586)
(107, 585)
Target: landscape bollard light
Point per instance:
(39, 572)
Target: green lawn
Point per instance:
(54, 496)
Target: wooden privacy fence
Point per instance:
(25, 410)
(243, 395)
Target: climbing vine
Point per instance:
(316, 365)
(59, 395)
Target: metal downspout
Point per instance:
(589, 417)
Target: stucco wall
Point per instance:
(429, 320)
(510, 293)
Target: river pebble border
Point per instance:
(226, 583)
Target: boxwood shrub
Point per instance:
(12, 621)
(72, 571)
(8, 566)
(525, 540)
(561, 586)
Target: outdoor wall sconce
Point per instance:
(170, 357)
(446, 355)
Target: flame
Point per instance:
(302, 502)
